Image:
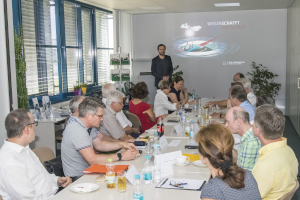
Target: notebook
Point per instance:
(101, 169)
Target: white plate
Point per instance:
(184, 164)
(84, 187)
(198, 163)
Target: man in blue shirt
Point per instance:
(238, 97)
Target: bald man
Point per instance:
(238, 76)
(237, 121)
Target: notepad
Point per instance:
(190, 184)
(193, 157)
(101, 169)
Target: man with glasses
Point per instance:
(111, 125)
(81, 138)
(22, 175)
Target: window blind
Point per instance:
(104, 36)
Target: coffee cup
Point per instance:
(182, 159)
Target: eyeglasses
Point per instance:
(35, 122)
(180, 185)
(122, 104)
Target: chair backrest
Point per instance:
(44, 154)
(136, 123)
(289, 196)
(1, 198)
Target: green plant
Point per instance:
(77, 86)
(262, 80)
(21, 69)
(82, 85)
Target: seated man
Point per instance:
(125, 123)
(238, 97)
(22, 175)
(80, 137)
(111, 126)
(277, 166)
(247, 86)
(237, 121)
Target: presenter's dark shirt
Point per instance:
(161, 67)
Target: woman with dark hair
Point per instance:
(140, 108)
(229, 181)
(178, 92)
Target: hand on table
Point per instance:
(215, 115)
(192, 102)
(135, 130)
(64, 181)
(126, 145)
(210, 103)
(130, 140)
(129, 154)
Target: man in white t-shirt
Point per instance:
(126, 124)
(22, 175)
(250, 95)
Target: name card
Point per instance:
(177, 129)
(166, 160)
(130, 175)
(163, 142)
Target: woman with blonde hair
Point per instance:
(229, 181)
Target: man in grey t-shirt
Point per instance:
(80, 137)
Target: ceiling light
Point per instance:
(226, 4)
(153, 8)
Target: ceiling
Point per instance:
(182, 6)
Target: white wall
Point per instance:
(263, 40)
(4, 100)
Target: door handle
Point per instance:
(298, 83)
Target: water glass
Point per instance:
(157, 173)
(121, 181)
(148, 150)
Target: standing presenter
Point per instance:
(161, 67)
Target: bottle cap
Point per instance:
(156, 133)
(192, 121)
(187, 118)
(159, 117)
(137, 176)
(110, 160)
(147, 157)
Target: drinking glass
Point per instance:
(121, 181)
(148, 150)
(157, 173)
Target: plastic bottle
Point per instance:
(110, 174)
(156, 145)
(192, 131)
(160, 126)
(193, 94)
(147, 171)
(195, 108)
(138, 188)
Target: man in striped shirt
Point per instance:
(237, 120)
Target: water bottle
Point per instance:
(138, 188)
(156, 145)
(193, 94)
(110, 174)
(147, 171)
(192, 131)
(195, 108)
(214, 108)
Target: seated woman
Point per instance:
(161, 103)
(140, 108)
(178, 92)
(229, 181)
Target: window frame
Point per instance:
(61, 45)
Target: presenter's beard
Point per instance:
(162, 54)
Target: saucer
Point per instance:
(198, 163)
(184, 164)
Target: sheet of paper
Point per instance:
(177, 129)
(174, 143)
(166, 160)
(163, 142)
(130, 175)
(191, 184)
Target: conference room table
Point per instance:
(189, 171)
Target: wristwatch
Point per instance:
(119, 156)
(221, 115)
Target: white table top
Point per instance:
(150, 192)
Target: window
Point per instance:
(65, 43)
